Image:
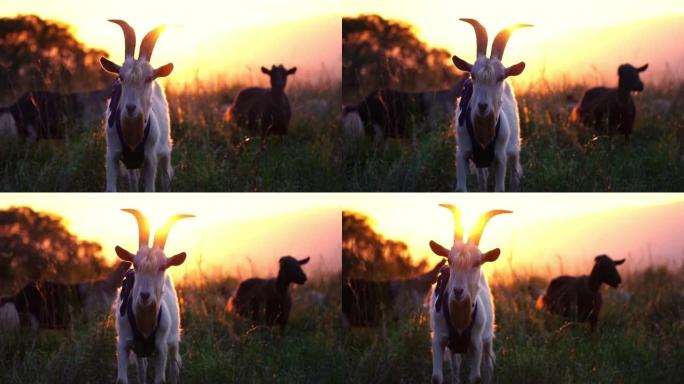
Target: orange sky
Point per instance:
(546, 231)
(232, 233)
(209, 38)
(581, 39)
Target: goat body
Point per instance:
(44, 114)
(257, 108)
(367, 302)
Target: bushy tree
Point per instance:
(367, 254)
(380, 53)
(43, 54)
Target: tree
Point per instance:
(35, 245)
(43, 54)
(367, 254)
(380, 53)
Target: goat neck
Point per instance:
(594, 280)
(281, 283)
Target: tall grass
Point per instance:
(86, 353)
(204, 158)
(640, 341)
(557, 155)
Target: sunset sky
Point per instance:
(209, 39)
(232, 234)
(582, 39)
(545, 231)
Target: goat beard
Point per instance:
(484, 128)
(460, 313)
(146, 318)
(132, 130)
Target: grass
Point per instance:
(637, 342)
(305, 353)
(204, 159)
(556, 155)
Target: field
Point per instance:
(204, 158)
(305, 353)
(639, 342)
(557, 155)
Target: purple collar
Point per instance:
(132, 159)
(482, 157)
(458, 341)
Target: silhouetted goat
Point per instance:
(47, 304)
(388, 113)
(264, 110)
(617, 103)
(367, 302)
(270, 297)
(43, 114)
(579, 297)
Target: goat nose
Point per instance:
(482, 107)
(144, 296)
(458, 292)
(130, 108)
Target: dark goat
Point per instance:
(579, 298)
(47, 304)
(367, 302)
(388, 113)
(42, 114)
(617, 103)
(270, 295)
(264, 110)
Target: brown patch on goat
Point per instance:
(484, 128)
(460, 313)
(133, 130)
(146, 318)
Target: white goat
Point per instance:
(461, 306)
(147, 313)
(487, 122)
(137, 126)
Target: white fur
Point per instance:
(157, 148)
(8, 127)
(167, 340)
(353, 126)
(506, 147)
(480, 353)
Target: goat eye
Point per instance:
(149, 79)
(499, 79)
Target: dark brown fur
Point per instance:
(579, 297)
(367, 302)
(616, 103)
(269, 300)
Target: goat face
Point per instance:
(136, 77)
(488, 75)
(150, 266)
(629, 77)
(291, 269)
(465, 260)
(278, 76)
(604, 268)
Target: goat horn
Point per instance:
(480, 36)
(458, 227)
(143, 226)
(129, 37)
(163, 232)
(476, 232)
(147, 45)
(501, 39)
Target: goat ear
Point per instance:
(174, 260)
(515, 70)
(491, 255)
(642, 68)
(292, 71)
(163, 71)
(109, 65)
(438, 249)
(462, 64)
(304, 261)
(124, 254)
(619, 262)
(266, 71)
